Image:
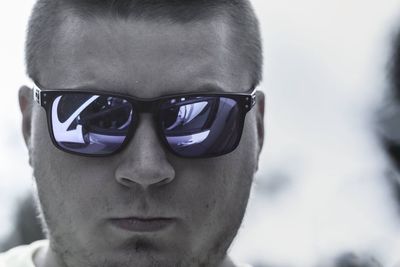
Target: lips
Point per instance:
(135, 224)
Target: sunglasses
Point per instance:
(95, 123)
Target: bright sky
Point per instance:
(324, 75)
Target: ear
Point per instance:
(260, 119)
(25, 105)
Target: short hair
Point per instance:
(47, 16)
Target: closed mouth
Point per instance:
(136, 224)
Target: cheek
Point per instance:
(65, 182)
(212, 195)
(205, 189)
(73, 196)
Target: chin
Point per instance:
(143, 253)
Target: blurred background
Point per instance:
(323, 188)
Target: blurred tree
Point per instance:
(388, 120)
(352, 260)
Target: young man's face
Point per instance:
(203, 200)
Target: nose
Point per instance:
(144, 162)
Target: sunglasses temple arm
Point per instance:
(253, 97)
(37, 94)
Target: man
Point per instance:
(135, 131)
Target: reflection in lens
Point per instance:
(188, 140)
(187, 113)
(201, 126)
(90, 124)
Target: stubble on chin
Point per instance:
(143, 253)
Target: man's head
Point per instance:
(144, 205)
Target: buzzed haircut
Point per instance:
(48, 15)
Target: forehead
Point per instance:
(143, 58)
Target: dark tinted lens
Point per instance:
(201, 126)
(90, 124)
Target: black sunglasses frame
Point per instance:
(45, 98)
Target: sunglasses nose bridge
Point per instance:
(144, 161)
(146, 106)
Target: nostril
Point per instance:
(129, 182)
(164, 181)
(126, 181)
